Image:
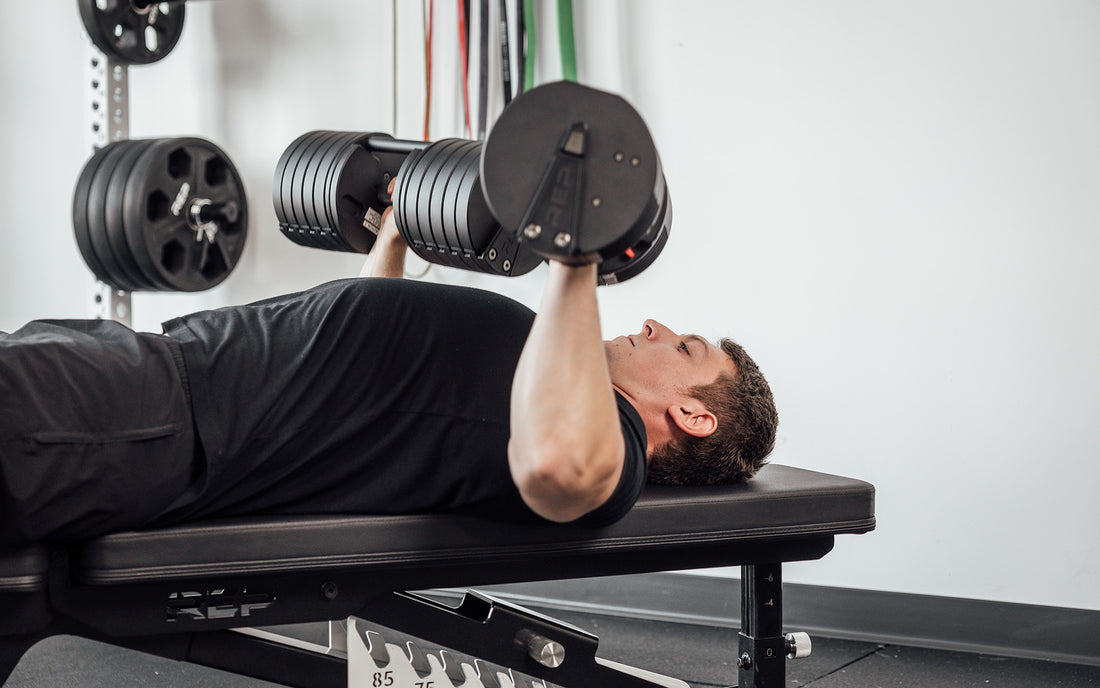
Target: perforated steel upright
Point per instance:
(108, 120)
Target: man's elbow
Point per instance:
(562, 484)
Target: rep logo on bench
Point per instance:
(219, 603)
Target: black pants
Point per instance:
(96, 430)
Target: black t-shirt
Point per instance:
(374, 396)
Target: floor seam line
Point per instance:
(844, 666)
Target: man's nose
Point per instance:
(653, 330)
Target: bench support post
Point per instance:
(761, 647)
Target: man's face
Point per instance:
(660, 364)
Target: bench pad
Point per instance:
(780, 504)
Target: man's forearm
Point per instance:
(386, 259)
(387, 256)
(566, 449)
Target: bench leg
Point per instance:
(761, 645)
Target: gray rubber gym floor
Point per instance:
(702, 656)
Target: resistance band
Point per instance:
(466, 13)
(565, 40)
(394, 129)
(529, 44)
(521, 48)
(464, 55)
(505, 53)
(428, 65)
(483, 74)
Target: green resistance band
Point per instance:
(565, 40)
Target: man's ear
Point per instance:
(693, 418)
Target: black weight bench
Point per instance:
(175, 592)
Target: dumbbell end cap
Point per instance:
(586, 157)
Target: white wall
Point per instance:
(893, 205)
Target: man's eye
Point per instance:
(684, 347)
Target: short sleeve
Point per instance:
(634, 471)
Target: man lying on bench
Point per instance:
(369, 396)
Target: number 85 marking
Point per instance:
(384, 679)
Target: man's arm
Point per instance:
(566, 449)
(387, 256)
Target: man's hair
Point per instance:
(745, 435)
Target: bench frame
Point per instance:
(178, 593)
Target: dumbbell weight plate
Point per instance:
(294, 163)
(498, 250)
(494, 250)
(288, 230)
(426, 199)
(292, 187)
(430, 202)
(453, 173)
(115, 224)
(417, 202)
(287, 185)
(473, 243)
(409, 179)
(302, 198)
(131, 35)
(166, 181)
(472, 216)
(301, 191)
(302, 195)
(326, 170)
(457, 201)
(322, 170)
(401, 205)
(332, 168)
(445, 234)
(300, 172)
(97, 229)
(282, 213)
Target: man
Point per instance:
(377, 395)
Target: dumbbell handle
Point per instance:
(384, 144)
(378, 143)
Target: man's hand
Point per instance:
(387, 256)
(566, 449)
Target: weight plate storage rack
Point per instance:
(164, 214)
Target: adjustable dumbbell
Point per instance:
(568, 173)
